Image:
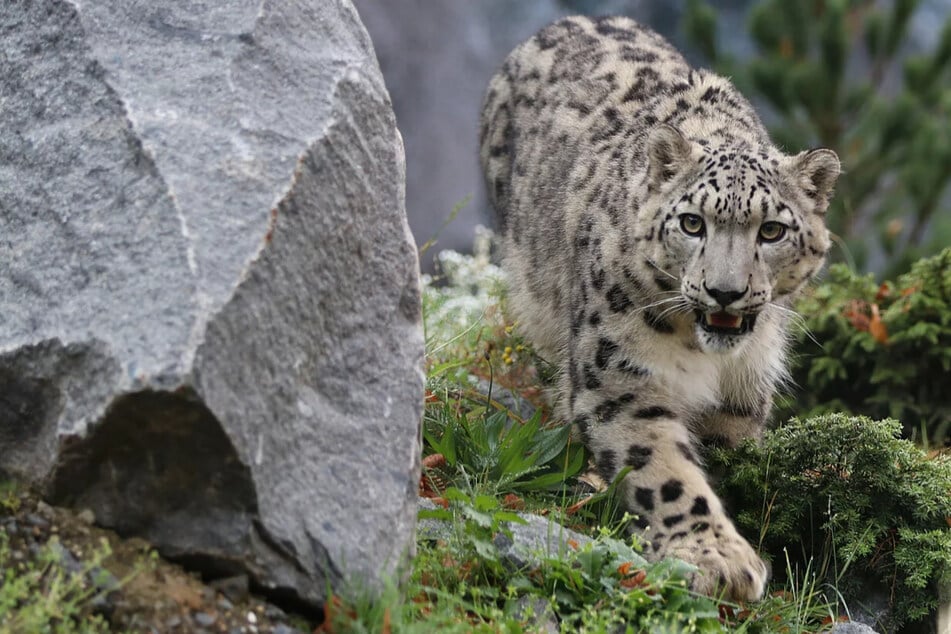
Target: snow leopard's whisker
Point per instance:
(788, 311)
(666, 296)
(656, 266)
(672, 296)
(800, 323)
(796, 320)
(658, 303)
(683, 307)
(664, 300)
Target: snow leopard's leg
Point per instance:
(666, 488)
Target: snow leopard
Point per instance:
(655, 241)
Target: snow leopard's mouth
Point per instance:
(724, 323)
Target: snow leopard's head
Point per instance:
(739, 229)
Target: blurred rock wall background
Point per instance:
(438, 55)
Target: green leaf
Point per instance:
(440, 514)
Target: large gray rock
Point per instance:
(209, 302)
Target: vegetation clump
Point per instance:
(869, 510)
(885, 349)
(44, 595)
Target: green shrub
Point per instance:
(886, 349)
(504, 454)
(42, 595)
(890, 126)
(870, 509)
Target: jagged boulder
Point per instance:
(209, 300)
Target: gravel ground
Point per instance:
(156, 596)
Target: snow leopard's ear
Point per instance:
(817, 172)
(668, 151)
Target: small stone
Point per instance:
(280, 628)
(204, 619)
(66, 558)
(274, 613)
(234, 588)
(103, 580)
(86, 516)
(537, 538)
(45, 510)
(36, 521)
(852, 627)
(539, 614)
(224, 605)
(173, 622)
(252, 618)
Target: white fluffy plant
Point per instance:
(461, 300)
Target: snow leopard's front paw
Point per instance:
(728, 565)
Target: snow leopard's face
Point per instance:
(742, 231)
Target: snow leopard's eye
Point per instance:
(772, 232)
(692, 224)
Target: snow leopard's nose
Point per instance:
(723, 297)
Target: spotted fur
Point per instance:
(604, 152)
